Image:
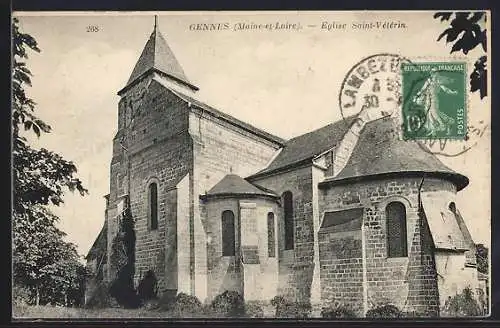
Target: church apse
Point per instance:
(240, 220)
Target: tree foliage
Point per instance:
(39, 174)
(465, 33)
(482, 258)
(43, 263)
(384, 311)
(462, 305)
(123, 262)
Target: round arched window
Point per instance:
(153, 206)
(395, 213)
(228, 234)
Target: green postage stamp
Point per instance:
(434, 100)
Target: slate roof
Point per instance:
(100, 244)
(225, 117)
(158, 56)
(379, 151)
(233, 184)
(307, 146)
(343, 220)
(443, 224)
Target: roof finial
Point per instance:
(156, 22)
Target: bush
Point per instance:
(229, 303)
(185, 305)
(277, 301)
(462, 305)
(253, 309)
(384, 311)
(338, 311)
(483, 301)
(290, 309)
(100, 297)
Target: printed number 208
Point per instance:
(92, 28)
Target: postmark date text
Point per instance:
(92, 28)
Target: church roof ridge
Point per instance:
(158, 56)
(306, 146)
(366, 160)
(221, 115)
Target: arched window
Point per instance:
(271, 251)
(228, 233)
(395, 214)
(288, 211)
(153, 206)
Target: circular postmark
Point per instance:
(454, 147)
(372, 89)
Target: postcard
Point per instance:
(267, 164)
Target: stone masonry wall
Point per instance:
(267, 276)
(409, 282)
(219, 149)
(227, 272)
(295, 266)
(341, 267)
(158, 149)
(118, 166)
(224, 272)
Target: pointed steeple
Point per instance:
(158, 57)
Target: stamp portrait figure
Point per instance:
(428, 97)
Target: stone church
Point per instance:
(345, 213)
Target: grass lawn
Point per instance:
(23, 312)
(59, 312)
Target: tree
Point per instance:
(482, 258)
(39, 175)
(122, 264)
(43, 262)
(466, 33)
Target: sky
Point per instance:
(286, 82)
